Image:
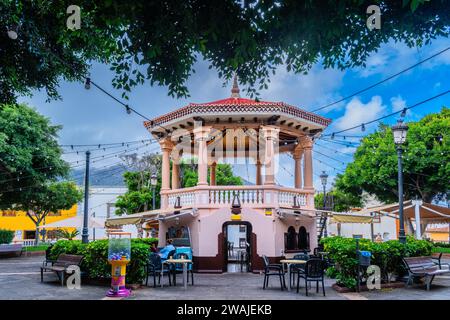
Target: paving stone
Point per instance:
(20, 279)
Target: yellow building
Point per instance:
(438, 234)
(25, 228)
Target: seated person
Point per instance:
(153, 248)
(164, 252)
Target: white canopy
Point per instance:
(76, 222)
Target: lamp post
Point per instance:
(399, 131)
(153, 182)
(324, 177)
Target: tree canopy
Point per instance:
(48, 198)
(29, 154)
(342, 202)
(139, 196)
(426, 162)
(158, 42)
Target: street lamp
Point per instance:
(153, 182)
(399, 131)
(324, 177)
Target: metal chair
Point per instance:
(273, 270)
(298, 267)
(155, 267)
(314, 272)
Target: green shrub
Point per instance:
(6, 236)
(387, 255)
(95, 262)
(442, 244)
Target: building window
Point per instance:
(303, 238)
(290, 239)
(242, 228)
(242, 243)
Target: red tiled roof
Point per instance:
(237, 105)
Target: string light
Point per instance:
(403, 114)
(87, 84)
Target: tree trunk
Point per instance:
(36, 236)
(140, 231)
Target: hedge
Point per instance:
(6, 236)
(387, 255)
(95, 263)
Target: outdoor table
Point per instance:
(322, 254)
(289, 263)
(184, 262)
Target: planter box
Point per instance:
(396, 284)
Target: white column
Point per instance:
(175, 174)
(307, 163)
(297, 155)
(270, 135)
(166, 147)
(417, 204)
(201, 136)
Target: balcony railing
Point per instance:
(249, 196)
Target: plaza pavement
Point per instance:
(20, 279)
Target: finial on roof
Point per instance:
(235, 90)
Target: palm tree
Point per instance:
(66, 234)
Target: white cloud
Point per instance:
(396, 56)
(320, 86)
(357, 112)
(398, 103)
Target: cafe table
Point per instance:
(184, 262)
(289, 263)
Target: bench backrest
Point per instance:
(10, 247)
(420, 263)
(68, 259)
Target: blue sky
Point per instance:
(90, 117)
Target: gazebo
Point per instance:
(239, 129)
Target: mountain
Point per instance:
(111, 176)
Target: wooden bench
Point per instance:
(11, 249)
(424, 267)
(60, 265)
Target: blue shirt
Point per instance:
(165, 251)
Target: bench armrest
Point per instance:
(445, 264)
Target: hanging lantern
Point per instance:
(236, 207)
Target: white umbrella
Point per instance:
(76, 222)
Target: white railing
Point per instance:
(249, 196)
(288, 198)
(187, 198)
(246, 196)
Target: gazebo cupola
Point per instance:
(258, 130)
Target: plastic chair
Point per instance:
(314, 272)
(273, 270)
(155, 267)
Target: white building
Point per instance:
(101, 205)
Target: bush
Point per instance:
(387, 255)
(95, 262)
(6, 236)
(442, 244)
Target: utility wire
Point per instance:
(382, 81)
(391, 114)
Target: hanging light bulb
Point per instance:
(403, 114)
(87, 84)
(12, 32)
(128, 109)
(363, 127)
